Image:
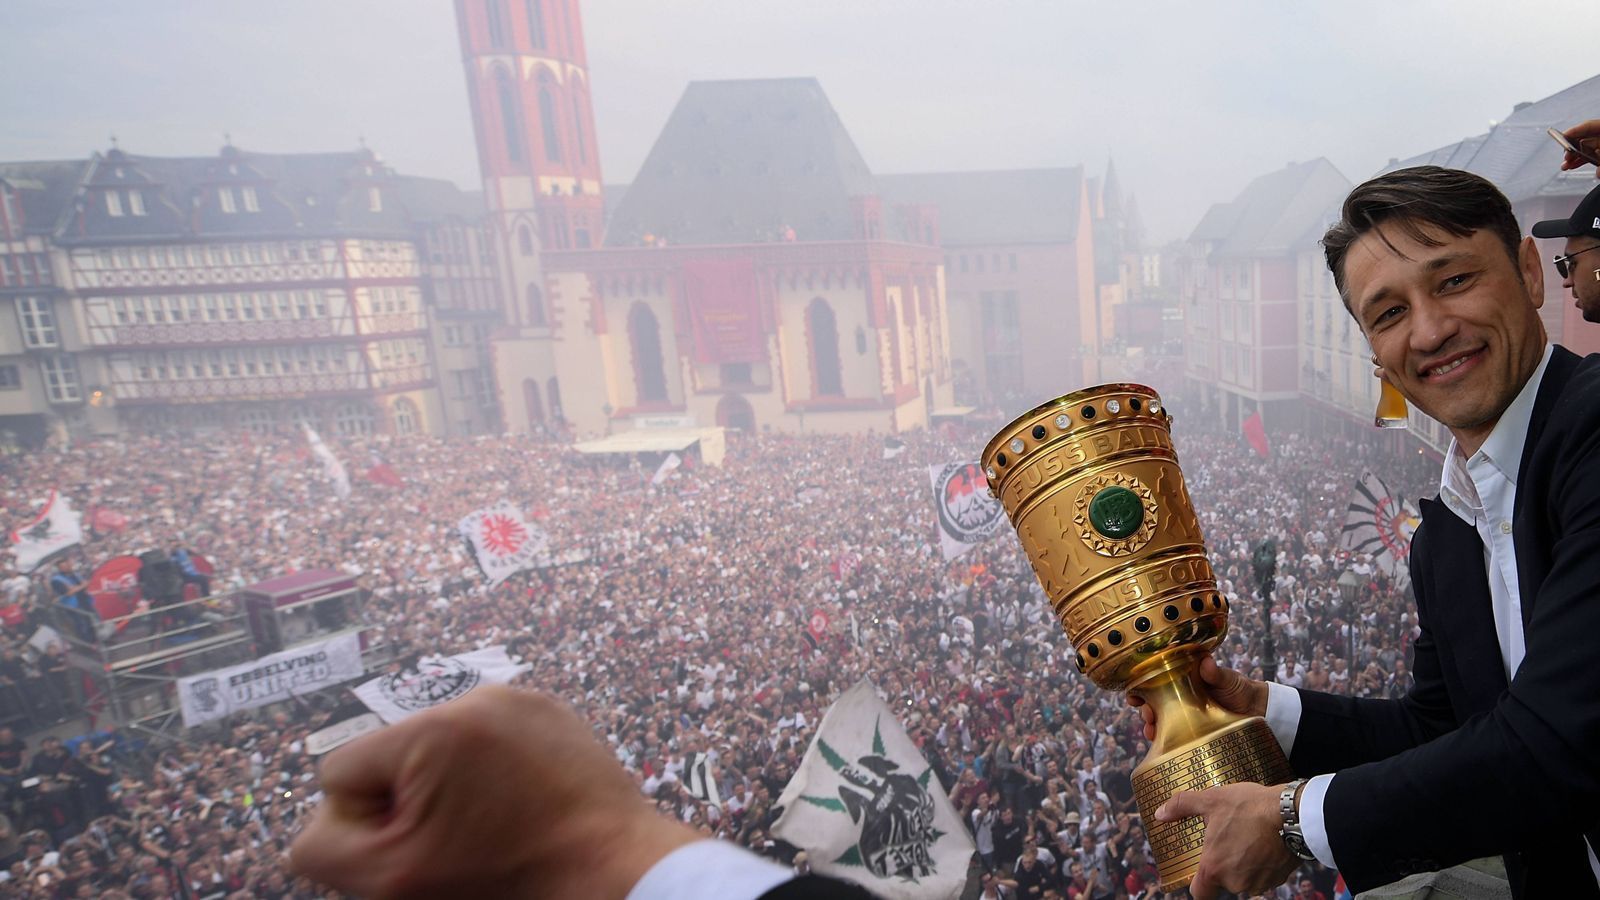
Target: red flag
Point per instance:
(384, 474)
(1256, 434)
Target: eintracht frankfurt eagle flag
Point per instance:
(967, 514)
(866, 807)
(503, 542)
(1380, 523)
(55, 529)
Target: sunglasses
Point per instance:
(1564, 264)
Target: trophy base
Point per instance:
(1243, 751)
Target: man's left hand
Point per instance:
(1243, 852)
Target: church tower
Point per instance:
(528, 83)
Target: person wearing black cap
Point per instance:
(1579, 263)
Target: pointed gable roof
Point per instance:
(739, 160)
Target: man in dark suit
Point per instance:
(1495, 749)
(505, 793)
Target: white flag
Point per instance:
(57, 528)
(865, 806)
(331, 466)
(1379, 522)
(503, 542)
(436, 680)
(967, 513)
(672, 461)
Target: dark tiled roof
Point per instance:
(1274, 211)
(295, 194)
(45, 190)
(997, 207)
(739, 160)
(1517, 154)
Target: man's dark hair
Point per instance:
(1416, 201)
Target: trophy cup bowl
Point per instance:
(1091, 483)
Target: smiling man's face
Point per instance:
(1455, 325)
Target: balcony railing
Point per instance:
(211, 333)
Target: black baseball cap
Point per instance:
(1585, 220)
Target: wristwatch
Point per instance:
(1290, 832)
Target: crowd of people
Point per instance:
(678, 623)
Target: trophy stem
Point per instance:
(1198, 745)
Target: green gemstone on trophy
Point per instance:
(1116, 512)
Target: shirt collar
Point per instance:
(1503, 447)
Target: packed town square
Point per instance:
(715, 611)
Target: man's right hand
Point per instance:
(500, 793)
(1587, 136)
(1229, 690)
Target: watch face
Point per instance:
(1297, 844)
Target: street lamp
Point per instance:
(1265, 563)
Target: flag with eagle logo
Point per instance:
(1379, 522)
(502, 542)
(967, 514)
(865, 806)
(56, 529)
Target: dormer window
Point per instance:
(136, 203)
(225, 199)
(251, 204)
(374, 200)
(113, 203)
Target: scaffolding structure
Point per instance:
(130, 665)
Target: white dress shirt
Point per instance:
(1482, 492)
(709, 868)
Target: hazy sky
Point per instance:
(1191, 99)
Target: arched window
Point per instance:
(649, 373)
(525, 240)
(547, 119)
(733, 411)
(406, 417)
(823, 330)
(536, 23)
(577, 126)
(553, 391)
(510, 117)
(531, 401)
(495, 15)
(536, 316)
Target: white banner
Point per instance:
(270, 679)
(503, 542)
(967, 514)
(865, 806)
(331, 466)
(436, 680)
(56, 528)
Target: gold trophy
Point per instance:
(1092, 485)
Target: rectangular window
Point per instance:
(374, 200)
(250, 202)
(1013, 262)
(254, 251)
(113, 203)
(225, 198)
(230, 307)
(38, 320)
(119, 310)
(175, 309)
(8, 271)
(136, 202)
(236, 254)
(158, 310)
(978, 259)
(107, 261)
(10, 378)
(247, 307)
(285, 307)
(60, 379)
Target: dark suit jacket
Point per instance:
(1466, 765)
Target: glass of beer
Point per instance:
(1391, 407)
